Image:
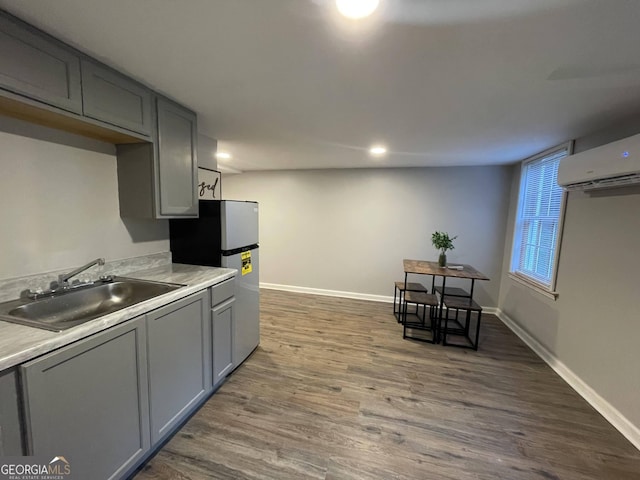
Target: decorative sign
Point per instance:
(209, 184)
(246, 262)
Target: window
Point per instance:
(538, 225)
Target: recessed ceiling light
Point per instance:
(378, 150)
(223, 155)
(356, 8)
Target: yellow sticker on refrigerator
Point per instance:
(246, 262)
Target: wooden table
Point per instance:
(424, 267)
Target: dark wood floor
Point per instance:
(334, 392)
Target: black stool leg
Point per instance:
(404, 319)
(475, 346)
(467, 323)
(395, 290)
(446, 328)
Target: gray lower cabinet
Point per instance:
(37, 66)
(105, 401)
(10, 421)
(115, 99)
(223, 329)
(222, 319)
(89, 402)
(179, 352)
(160, 180)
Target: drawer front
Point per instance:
(222, 291)
(34, 65)
(115, 99)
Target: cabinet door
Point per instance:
(222, 318)
(179, 355)
(10, 421)
(36, 66)
(177, 169)
(89, 402)
(115, 99)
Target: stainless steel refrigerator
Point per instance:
(226, 235)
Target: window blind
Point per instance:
(539, 212)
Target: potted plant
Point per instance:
(443, 242)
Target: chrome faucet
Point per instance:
(63, 280)
(63, 286)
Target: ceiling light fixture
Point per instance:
(356, 9)
(223, 155)
(378, 150)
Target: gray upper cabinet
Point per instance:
(45, 81)
(37, 66)
(177, 160)
(179, 356)
(89, 402)
(160, 180)
(115, 99)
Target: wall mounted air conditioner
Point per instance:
(615, 164)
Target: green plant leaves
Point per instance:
(442, 241)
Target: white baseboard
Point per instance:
(342, 294)
(327, 293)
(608, 411)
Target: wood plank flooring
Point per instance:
(334, 392)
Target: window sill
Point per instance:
(533, 286)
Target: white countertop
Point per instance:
(19, 344)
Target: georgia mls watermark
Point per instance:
(35, 468)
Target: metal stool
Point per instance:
(460, 330)
(399, 287)
(452, 291)
(425, 300)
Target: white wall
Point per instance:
(59, 203)
(348, 230)
(207, 148)
(593, 327)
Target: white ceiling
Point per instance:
(286, 84)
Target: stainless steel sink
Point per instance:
(73, 308)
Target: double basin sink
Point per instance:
(75, 307)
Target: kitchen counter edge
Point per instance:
(19, 344)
